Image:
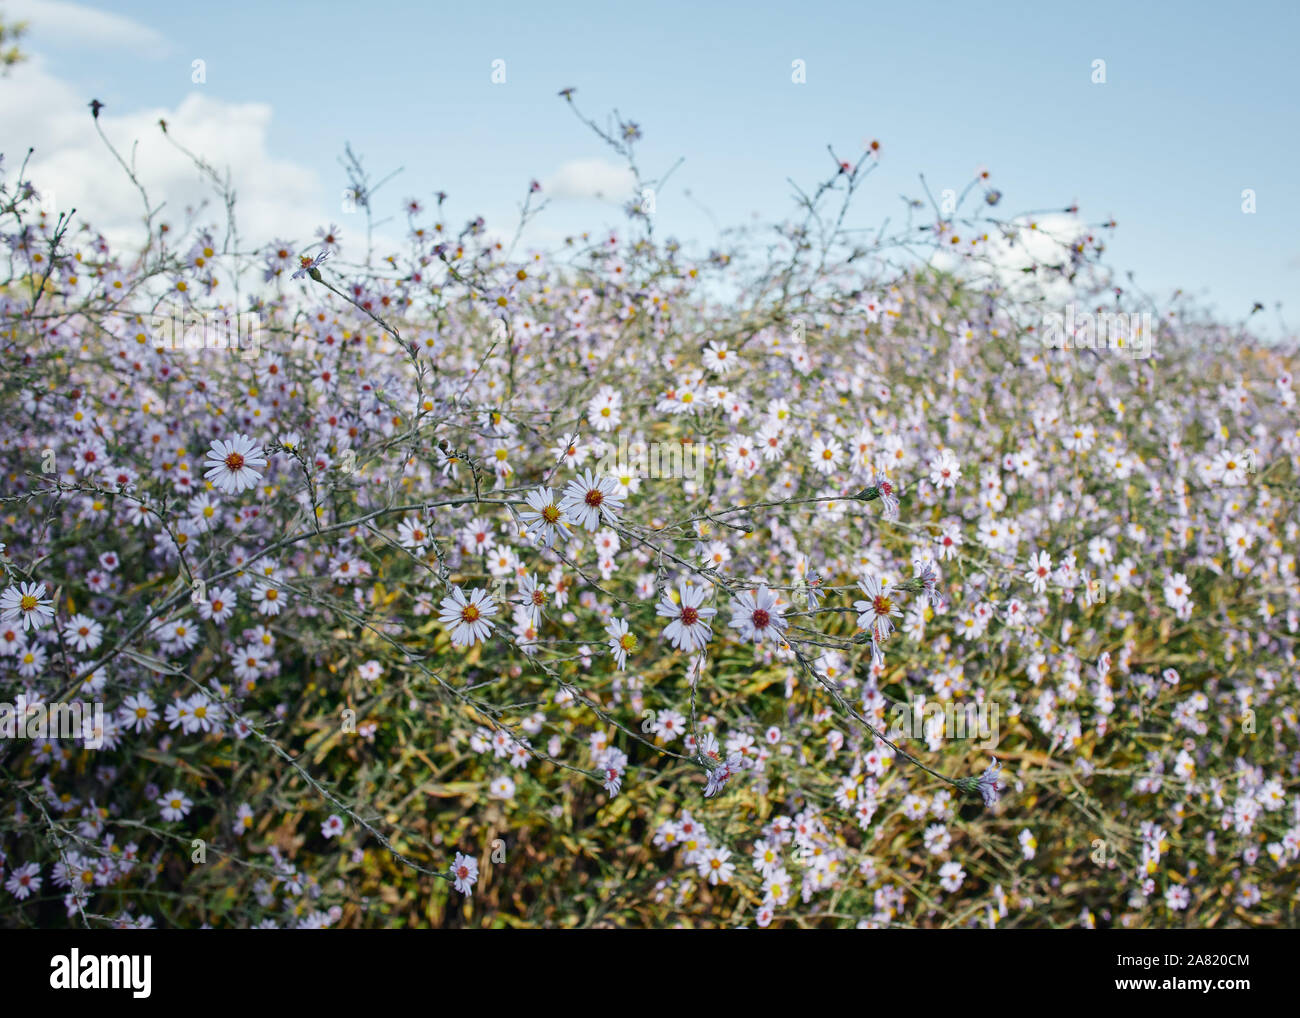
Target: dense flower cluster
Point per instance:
(390, 612)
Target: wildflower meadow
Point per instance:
(927, 576)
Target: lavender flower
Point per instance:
(986, 784)
(310, 266)
(882, 488)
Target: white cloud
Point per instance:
(590, 178)
(56, 21)
(275, 197)
(1004, 261)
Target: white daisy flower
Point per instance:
(174, 805)
(235, 465)
(467, 617)
(689, 629)
(26, 603)
(757, 615)
(589, 500)
(621, 642)
(879, 608)
(464, 871)
(544, 516)
(83, 633)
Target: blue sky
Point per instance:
(1200, 102)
